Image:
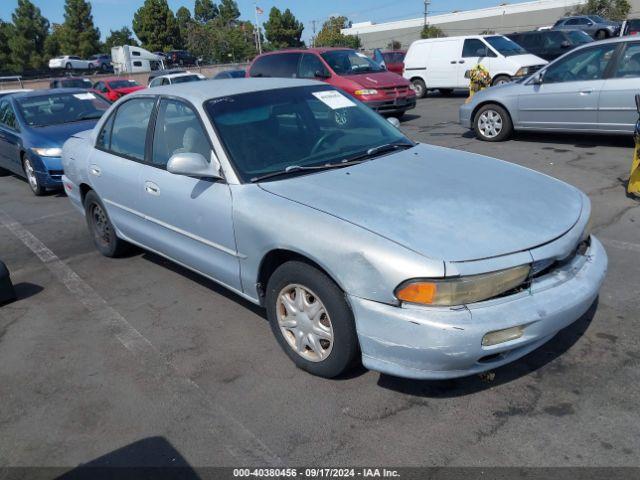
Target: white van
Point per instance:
(129, 59)
(441, 63)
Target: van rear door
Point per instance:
(442, 63)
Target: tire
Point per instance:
(336, 348)
(501, 80)
(602, 34)
(101, 229)
(32, 179)
(419, 87)
(446, 92)
(103, 67)
(492, 123)
(68, 66)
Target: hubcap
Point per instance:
(417, 88)
(490, 123)
(304, 322)
(101, 228)
(31, 174)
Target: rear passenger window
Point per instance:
(130, 128)
(178, 130)
(283, 65)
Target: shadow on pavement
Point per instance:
(459, 387)
(26, 290)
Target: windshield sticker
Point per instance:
(334, 100)
(85, 96)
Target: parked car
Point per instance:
(441, 63)
(172, 78)
(630, 27)
(589, 90)
(360, 244)
(550, 44)
(181, 57)
(114, 88)
(102, 62)
(230, 74)
(71, 82)
(393, 60)
(346, 69)
(596, 26)
(70, 62)
(33, 127)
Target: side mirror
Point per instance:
(565, 44)
(394, 121)
(194, 165)
(538, 78)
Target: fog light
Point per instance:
(501, 336)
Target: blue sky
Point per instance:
(113, 14)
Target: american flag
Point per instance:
(259, 11)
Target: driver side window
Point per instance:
(588, 64)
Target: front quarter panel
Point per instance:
(361, 262)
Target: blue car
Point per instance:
(33, 127)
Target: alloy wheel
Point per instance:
(31, 175)
(490, 123)
(304, 322)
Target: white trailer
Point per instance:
(129, 59)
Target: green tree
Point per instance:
(156, 26)
(283, 29)
(183, 17)
(78, 34)
(118, 38)
(216, 42)
(330, 34)
(6, 32)
(28, 35)
(229, 12)
(612, 9)
(430, 31)
(52, 47)
(394, 45)
(205, 10)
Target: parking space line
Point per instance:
(243, 444)
(632, 247)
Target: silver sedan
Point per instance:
(422, 261)
(589, 90)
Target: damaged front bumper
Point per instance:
(436, 343)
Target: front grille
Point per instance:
(394, 91)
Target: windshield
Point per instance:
(269, 131)
(76, 83)
(186, 78)
(350, 62)
(506, 47)
(578, 37)
(123, 84)
(54, 109)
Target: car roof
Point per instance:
(47, 91)
(178, 75)
(198, 92)
(318, 50)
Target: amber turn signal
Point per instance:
(423, 292)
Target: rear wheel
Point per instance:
(492, 123)
(311, 319)
(501, 80)
(101, 228)
(419, 87)
(68, 66)
(602, 34)
(35, 185)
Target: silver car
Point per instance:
(596, 26)
(589, 90)
(424, 262)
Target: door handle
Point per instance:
(95, 170)
(151, 188)
(461, 61)
(586, 92)
(453, 62)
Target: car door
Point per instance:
(617, 110)
(189, 219)
(474, 52)
(567, 99)
(115, 163)
(9, 138)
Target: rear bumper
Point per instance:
(437, 343)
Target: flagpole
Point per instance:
(259, 40)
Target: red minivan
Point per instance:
(343, 68)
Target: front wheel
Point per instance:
(311, 319)
(419, 87)
(601, 35)
(68, 66)
(492, 123)
(101, 228)
(501, 80)
(35, 185)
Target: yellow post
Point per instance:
(634, 178)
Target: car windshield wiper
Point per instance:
(387, 147)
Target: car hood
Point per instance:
(55, 135)
(378, 79)
(528, 60)
(444, 204)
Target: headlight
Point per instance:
(522, 72)
(462, 290)
(366, 92)
(48, 152)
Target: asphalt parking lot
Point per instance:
(138, 361)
